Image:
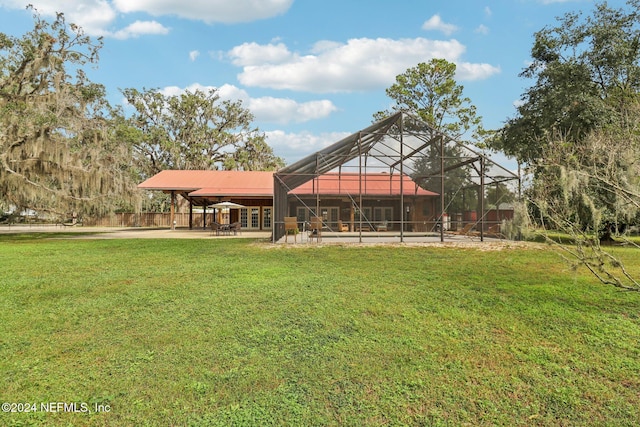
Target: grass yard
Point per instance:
(230, 332)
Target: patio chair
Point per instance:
(466, 230)
(342, 226)
(315, 230)
(235, 228)
(383, 226)
(494, 231)
(290, 225)
(215, 228)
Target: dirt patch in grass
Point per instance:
(481, 246)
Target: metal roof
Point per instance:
(212, 182)
(243, 184)
(371, 184)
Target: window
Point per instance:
(255, 217)
(383, 214)
(330, 216)
(426, 211)
(244, 217)
(301, 214)
(366, 215)
(266, 217)
(304, 213)
(250, 218)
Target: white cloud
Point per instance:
(468, 71)
(265, 109)
(139, 28)
(294, 146)
(482, 29)
(358, 65)
(193, 55)
(436, 23)
(284, 110)
(488, 11)
(208, 10)
(248, 54)
(279, 110)
(96, 17)
(92, 15)
(325, 46)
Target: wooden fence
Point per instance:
(150, 219)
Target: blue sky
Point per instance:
(310, 71)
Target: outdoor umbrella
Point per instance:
(227, 205)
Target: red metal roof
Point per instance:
(211, 183)
(373, 184)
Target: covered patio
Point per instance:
(203, 188)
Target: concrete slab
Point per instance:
(129, 233)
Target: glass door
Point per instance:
(330, 217)
(250, 218)
(244, 217)
(255, 219)
(266, 218)
(382, 214)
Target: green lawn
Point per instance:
(234, 332)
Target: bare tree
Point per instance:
(577, 133)
(591, 192)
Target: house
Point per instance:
(373, 179)
(336, 196)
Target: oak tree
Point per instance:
(57, 151)
(194, 130)
(585, 70)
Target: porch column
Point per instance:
(204, 217)
(190, 215)
(172, 218)
(352, 217)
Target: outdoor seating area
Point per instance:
(379, 180)
(464, 231)
(225, 229)
(383, 226)
(342, 227)
(235, 228)
(359, 227)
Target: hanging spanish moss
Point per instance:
(591, 193)
(58, 153)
